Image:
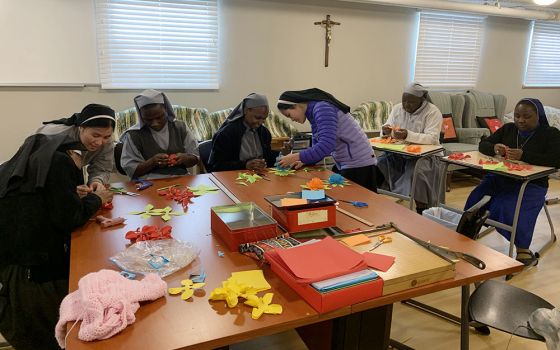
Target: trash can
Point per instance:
(445, 217)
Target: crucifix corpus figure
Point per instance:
(327, 24)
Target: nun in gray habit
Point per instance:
(27, 170)
(243, 142)
(148, 145)
(419, 122)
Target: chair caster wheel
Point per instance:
(482, 330)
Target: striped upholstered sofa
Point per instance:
(204, 124)
(371, 115)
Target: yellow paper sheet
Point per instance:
(356, 240)
(286, 202)
(500, 166)
(253, 278)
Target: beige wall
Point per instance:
(272, 46)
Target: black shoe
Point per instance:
(527, 258)
(420, 210)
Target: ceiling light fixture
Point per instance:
(544, 2)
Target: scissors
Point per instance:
(355, 203)
(382, 239)
(120, 190)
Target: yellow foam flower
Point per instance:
(230, 291)
(187, 289)
(263, 306)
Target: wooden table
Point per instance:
(425, 151)
(380, 211)
(525, 176)
(171, 323)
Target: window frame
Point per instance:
(177, 51)
(424, 54)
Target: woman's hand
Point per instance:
(386, 130)
(83, 190)
(95, 185)
(105, 195)
(500, 149)
(400, 134)
(514, 153)
(297, 165)
(288, 160)
(160, 160)
(255, 164)
(186, 159)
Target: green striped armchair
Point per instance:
(371, 115)
(196, 119)
(278, 126)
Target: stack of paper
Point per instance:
(344, 281)
(319, 261)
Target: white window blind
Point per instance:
(543, 63)
(448, 50)
(161, 44)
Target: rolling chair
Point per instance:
(506, 308)
(469, 225)
(117, 153)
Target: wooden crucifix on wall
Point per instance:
(327, 24)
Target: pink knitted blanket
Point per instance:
(105, 302)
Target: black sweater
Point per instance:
(35, 227)
(226, 145)
(543, 148)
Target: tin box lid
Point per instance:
(243, 215)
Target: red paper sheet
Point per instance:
(319, 261)
(379, 261)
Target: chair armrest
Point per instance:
(471, 135)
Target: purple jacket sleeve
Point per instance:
(324, 125)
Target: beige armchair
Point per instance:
(468, 135)
(482, 104)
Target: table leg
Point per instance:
(443, 186)
(368, 329)
(413, 184)
(363, 330)
(516, 217)
(465, 294)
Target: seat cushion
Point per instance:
(448, 132)
(492, 123)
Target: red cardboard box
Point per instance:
(325, 302)
(305, 217)
(241, 223)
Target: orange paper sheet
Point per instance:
(286, 202)
(356, 240)
(379, 261)
(325, 259)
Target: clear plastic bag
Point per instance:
(547, 323)
(160, 256)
